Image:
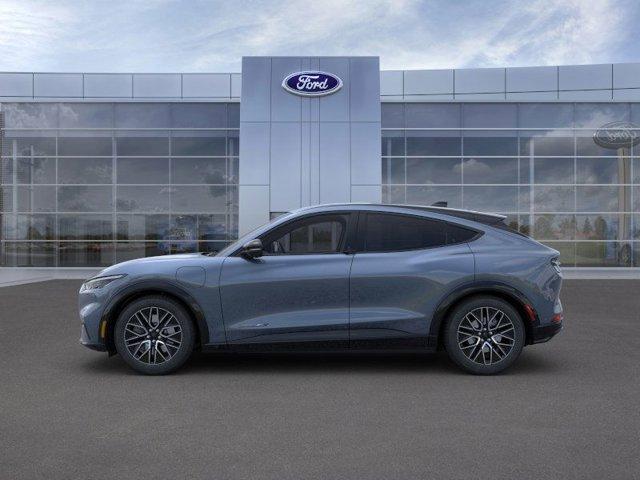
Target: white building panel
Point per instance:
(57, 85)
(335, 184)
(391, 82)
(480, 97)
(365, 154)
(16, 84)
(285, 166)
(157, 85)
(532, 79)
(364, 84)
(204, 85)
(586, 95)
(532, 96)
(479, 80)
(256, 92)
(254, 207)
(284, 106)
(366, 193)
(626, 75)
(428, 82)
(335, 107)
(236, 85)
(255, 146)
(108, 85)
(585, 77)
(627, 95)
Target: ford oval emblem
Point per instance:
(616, 135)
(312, 83)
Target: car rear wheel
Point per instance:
(484, 335)
(154, 335)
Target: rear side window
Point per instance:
(388, 233)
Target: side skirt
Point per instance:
(416, 344)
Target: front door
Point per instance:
(298, 291)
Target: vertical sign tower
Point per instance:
(307, 147)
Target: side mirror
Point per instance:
(252, 249)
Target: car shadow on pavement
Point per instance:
(319, 362)
(295, 363)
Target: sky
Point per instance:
(212, 36)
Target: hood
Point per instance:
(159, 264)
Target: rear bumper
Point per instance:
(545, 333)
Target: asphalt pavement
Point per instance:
(568, 409)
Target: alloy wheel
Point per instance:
(486, 335)
(152, 335)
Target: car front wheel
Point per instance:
(484, 335)
(154, 335)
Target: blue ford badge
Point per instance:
(312, 84)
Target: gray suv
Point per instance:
(336, 277)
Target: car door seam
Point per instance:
(224, 325)
(353, 257)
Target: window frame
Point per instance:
(346, 238)
(364, 220)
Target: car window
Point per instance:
(388, 233)
(319, 234)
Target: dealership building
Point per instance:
(99, 168)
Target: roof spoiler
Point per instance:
(480, 217)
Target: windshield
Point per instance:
(247, 236)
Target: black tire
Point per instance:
(177, 347)
(471, 348)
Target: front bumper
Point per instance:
(91, 307)
(87, 342)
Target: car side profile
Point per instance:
(336, 277)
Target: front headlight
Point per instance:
(99, 282)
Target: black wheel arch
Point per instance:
(513, 296)
(172, 290)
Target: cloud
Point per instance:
(29, 30)
(536, 32)
(550, 33)
(166, 35)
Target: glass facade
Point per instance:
(91, 184)
(537, 163)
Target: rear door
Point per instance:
(403, 267)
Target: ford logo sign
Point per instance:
(312, 84)
(617, 135)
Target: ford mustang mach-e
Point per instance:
(336, 277)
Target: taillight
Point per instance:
(558, 315)
(531, 313)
